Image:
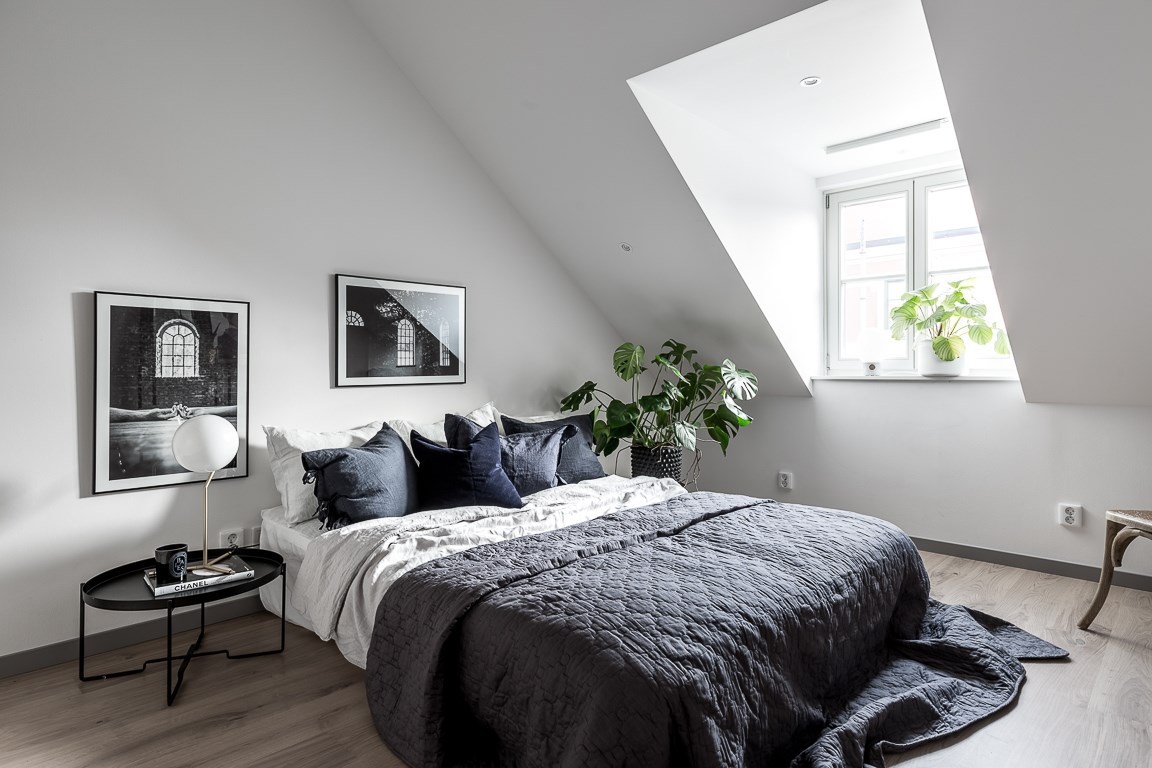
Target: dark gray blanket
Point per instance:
(709, 630)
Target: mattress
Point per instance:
(291, 541)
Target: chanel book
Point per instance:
(197, 578)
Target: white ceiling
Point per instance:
(878, 73)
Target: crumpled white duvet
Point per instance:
(346, 572)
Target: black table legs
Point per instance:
(192, 652)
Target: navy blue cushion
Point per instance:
(578, 458)
(378, 479)
(463, 477)
(529, 459)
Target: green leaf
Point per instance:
(578, 398)
(672, 392)
(669, 366)
(628, 361)
(742, 418)
(654, 403)
(980, 333)
(685, 435)
(676, 352)
(621, 414)
(928, 292)
(905, 312)
(741, 384)
(948, 348)
(900, 327)
(720, 436)
(972, 311)
(1002, 347)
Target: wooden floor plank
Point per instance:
(307, 706)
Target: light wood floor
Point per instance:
(307, 707)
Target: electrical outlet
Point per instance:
(232, 537)
(784, 480)
(1071, 515)
(254, 535)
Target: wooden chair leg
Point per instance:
(1113, 528)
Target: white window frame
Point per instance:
(916, 269)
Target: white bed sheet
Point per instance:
(291, 541)
(339, 582)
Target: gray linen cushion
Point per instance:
(529, 459)
(577, 458)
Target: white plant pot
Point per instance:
(927, 364)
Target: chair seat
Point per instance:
(1140, 519)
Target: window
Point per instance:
(405, 343)
(445, 352)
(887, 239)
(353, 318)
(177, 350)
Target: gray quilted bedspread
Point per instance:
(709, 630)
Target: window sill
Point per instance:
(915, 377)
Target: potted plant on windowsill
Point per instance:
(941, 319)
(661, 421)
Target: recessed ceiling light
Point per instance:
(808, 82)
(626, 247)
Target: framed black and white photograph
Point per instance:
(161, 360)
(394, 332)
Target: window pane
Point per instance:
(956, 252)
(954, 240)
(873, 265)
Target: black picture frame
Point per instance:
(398, 332)
(160, 360)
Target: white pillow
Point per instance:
(284, 449)
(434, 430)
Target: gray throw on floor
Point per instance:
(709, 630)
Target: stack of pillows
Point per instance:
(397, 468)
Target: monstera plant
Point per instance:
(668, 407)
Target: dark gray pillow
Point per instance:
(378, 479)
(578, 458)
(530, 459)
(463, 477)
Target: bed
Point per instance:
(624, 621)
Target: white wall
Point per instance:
(236, 151)
(763, 210)
(960, 462)
(1051, 109)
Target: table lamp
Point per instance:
(205, 444)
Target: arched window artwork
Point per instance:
(177, 350)
(405, 343)
(445, 352)
(353, 317)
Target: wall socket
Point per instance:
(232, 537)
(784, 480)
(254, 535)
(1071, 515)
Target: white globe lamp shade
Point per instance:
(205, 443)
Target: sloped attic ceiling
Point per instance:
(537, 92)
(1047, 104)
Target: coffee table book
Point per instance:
(240, 571)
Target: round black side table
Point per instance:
(123, 589)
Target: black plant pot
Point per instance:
(665, 461)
